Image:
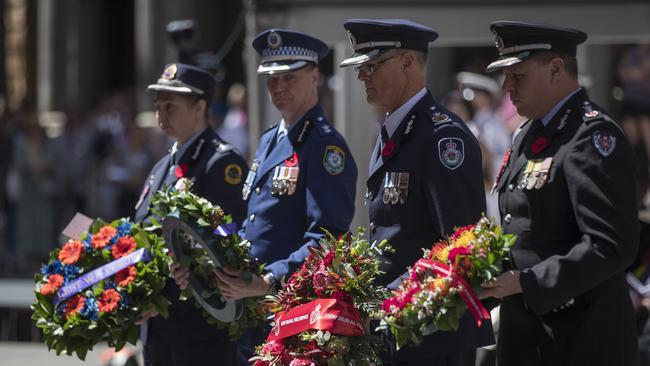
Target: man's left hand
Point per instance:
(234, 287)
(504, 285)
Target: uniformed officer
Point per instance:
(182, 96)
(567, 192)
(302, 179)
(425, 175)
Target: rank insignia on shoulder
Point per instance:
(233, 174)
(334, 160)
(451, 151)
(605, 143)
(440, 117)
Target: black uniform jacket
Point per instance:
(444, 190)
(577, 231)
(218, 172)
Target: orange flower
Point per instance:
(54, 281)
(124, 246)
(74, 305)
(126, 276)
(71, 252)
(109, 301)
(103, 237)
(440, 251)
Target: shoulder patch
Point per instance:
(233, 173)
(604, 141)
(440, 117)
(451, 151)
(334, 160)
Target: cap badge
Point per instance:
(170, 72)
(274, 40)
(353, 39)
(498, 42)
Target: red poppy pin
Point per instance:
(388, 149)
(181, 170)
(506, 159)
(539, 144)
(292, 161)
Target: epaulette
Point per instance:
(590, 113)
(221, 146)
(324, 128)
(438, 117)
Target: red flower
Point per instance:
(103, 237)
(301, 361)
(461, 231)
(123, 246)
(321, 279)
(273, 348)
(457, 251)
(388, 149)
(126, 276)
(342, 295)
(292, 161)
(181, 170)
(329, 257)
(71, 252)
(260, 363)
(109, 301)
(539, 144)
(54, 281)
(74, 305)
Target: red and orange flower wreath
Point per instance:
(93, 289)
(440, 286)
(321, 309)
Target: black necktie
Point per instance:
(384, 140)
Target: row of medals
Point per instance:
(285, 179)
(536, 174)
(395, 188)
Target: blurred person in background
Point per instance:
(234, 128)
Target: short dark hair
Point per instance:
(570, 62)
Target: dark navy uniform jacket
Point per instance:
(218, 172)
(445, 190)
(576, 233)
(282, 227)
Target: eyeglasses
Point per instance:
(369, 69)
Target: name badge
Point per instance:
(395, 188)
(248, 184)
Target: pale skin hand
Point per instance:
(504, 285)
(233, 287)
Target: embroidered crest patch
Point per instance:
(334, 160)
(451, 151)
(604, 142)
(233, 174)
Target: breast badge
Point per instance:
(250, 178)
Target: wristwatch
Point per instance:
(273, 283)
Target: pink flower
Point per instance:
(301, 361)
(456, 252)
(273, 348)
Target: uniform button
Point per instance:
(507, 218)
(252, 218)
(257, 190)
(511, 187)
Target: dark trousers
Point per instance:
(467, 358)
(158, 353)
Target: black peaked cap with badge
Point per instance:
(284, 50)
(566, 190)
(185, 79)
(372, 37)
(516, 41)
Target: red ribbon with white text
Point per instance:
(332, 315)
